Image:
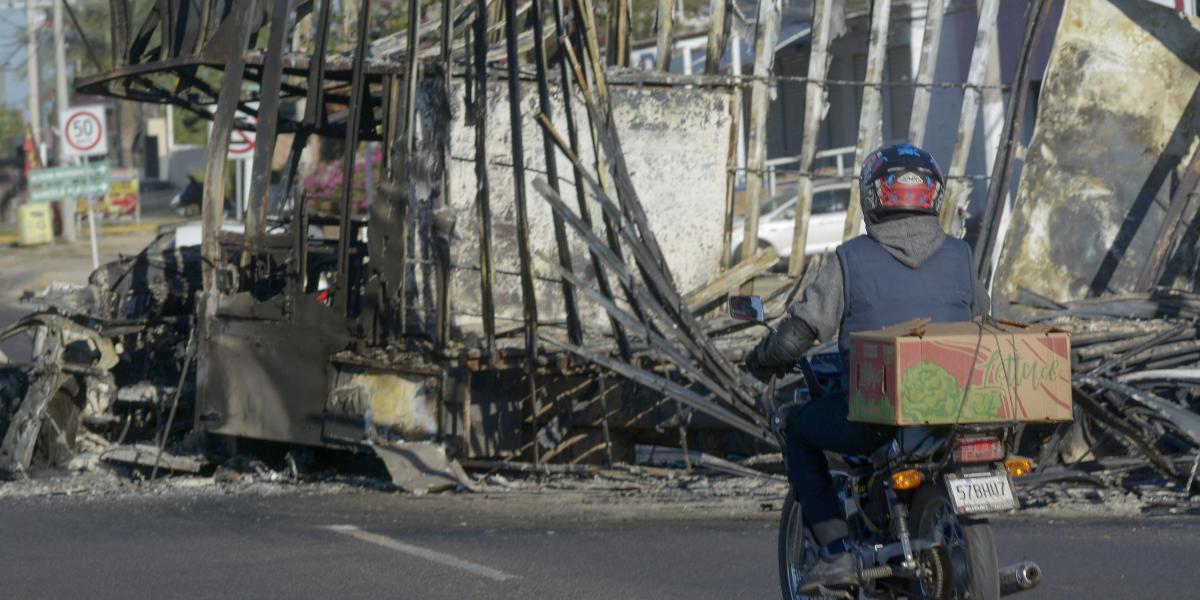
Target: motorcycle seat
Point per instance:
(910, 441)
(914, 442)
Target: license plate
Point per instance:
(989, 491)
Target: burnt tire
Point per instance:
(970, 546)
(55, 446)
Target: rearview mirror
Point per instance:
(747, 308)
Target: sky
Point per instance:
(12, 53)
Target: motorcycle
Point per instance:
(917, 507)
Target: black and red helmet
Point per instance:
(901, 178)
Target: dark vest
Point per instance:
(880, 291)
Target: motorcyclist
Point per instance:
(906, 267)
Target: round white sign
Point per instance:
(83, 131)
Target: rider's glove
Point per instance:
(776, 354)
(761, 369)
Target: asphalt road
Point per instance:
(368, 545)
(17, 350)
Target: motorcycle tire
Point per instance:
(972, 538)
(797, 549)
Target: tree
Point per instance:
(12, 129)
(91, 42)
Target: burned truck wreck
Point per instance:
(107, 358)
(443, 310)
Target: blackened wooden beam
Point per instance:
(653, 338)
(957, 188)
(313, 117)
(268, 120)
(120, 25)
(729, 280)
(408, 137)
(617, 41)
(756, 145)
(602, 385)
(870, 123)
(482, 200)
(1173, 225)
(528, 299)
(931, 42)
(581, 78)
(585, 16)
(357, 85)
(814, 111)
(585, 212)
(668, 388)
(649, 258)
(314, 105)
(444, 300)
(718, 32)
(660, 314)
(212, 206)
(574, 328)
(663, 43)
(998, 184)
(442, 239)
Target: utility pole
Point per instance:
(31, 65)
(60, 63)
(66, 207)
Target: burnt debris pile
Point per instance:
(1136, 382)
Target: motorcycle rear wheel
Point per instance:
(970, 547)
(798, 550)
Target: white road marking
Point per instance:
(425, 553)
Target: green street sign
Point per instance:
(66, 183)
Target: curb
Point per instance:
(108, 229)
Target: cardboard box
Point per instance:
(917, 373)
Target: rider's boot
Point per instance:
(834, 571)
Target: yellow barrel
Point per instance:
(35, 224)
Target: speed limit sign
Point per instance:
(84, 131)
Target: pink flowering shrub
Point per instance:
(323, 187)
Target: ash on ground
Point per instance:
(1130, 493)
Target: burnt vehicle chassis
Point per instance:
(105, 359)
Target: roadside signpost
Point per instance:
(241, 144)
(84, 131)
(66, 184)
(63, 183)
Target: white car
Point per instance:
(777, 222)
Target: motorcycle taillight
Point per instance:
(978, 449)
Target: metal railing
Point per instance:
(840, 157)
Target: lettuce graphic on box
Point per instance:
(879, 411)
(929, 392)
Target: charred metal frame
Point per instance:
(264, 316)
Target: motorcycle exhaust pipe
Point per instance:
(1019, 577)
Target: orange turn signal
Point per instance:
(1018, 466)
(908, 479)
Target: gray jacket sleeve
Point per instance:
(821, 305)
(816, 316)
